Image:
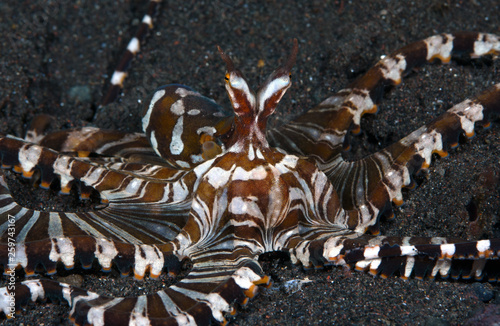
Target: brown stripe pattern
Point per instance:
(220, 194)
(133, 48)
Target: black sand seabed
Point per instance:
(49, 47)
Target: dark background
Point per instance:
(50, 47)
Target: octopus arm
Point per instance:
(370, 184)
(321, 132)
(209, 292)
(406, 257)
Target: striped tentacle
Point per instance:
(133, 47)
(144, 183)
(320, 132)
(390, 169)
(139, 210)
(208, 293)
(406, 256)
(182, 129)
(315, 202)
(135, 237)
(103, 142)
(130, 153)
(155, 172)
(107, 145)
(220, 246)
